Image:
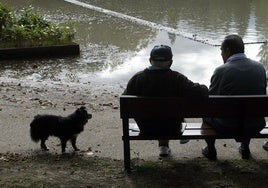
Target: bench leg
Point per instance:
(127, 155)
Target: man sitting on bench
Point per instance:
(158, 80)
(237, 76)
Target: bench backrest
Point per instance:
(214, 106)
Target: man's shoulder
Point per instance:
(222, 67)
(176, 72)
(147, 72)
(257, 63)
(139, 73)
(248, 60)
(238, 64)
(254, 64)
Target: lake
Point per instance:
(116, 37)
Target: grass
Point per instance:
(27, 28)
(78, 170)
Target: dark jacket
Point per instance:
(239, 77)
(163, 83)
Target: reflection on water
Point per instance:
(113, 48)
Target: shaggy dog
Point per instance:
(65, 128)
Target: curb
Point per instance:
(40, 51)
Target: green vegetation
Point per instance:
(27, 28)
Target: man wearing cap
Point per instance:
(158, 80)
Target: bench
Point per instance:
(215, 106)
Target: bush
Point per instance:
(5, 16)
(28, 28)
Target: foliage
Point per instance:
(5, 16)
(27, 28)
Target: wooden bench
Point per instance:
(215, 106)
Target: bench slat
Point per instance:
(214, 106)
(265, 130)
(198, 125)
(203, 132)
(190, 131)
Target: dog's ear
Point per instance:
(82, 107)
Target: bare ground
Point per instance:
(99, 163)
(77, 170)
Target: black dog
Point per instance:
(65, 128)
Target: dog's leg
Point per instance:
(43, 145)
(73, 141)
(63, 144)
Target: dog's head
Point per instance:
(83, 114)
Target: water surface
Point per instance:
(116, 37)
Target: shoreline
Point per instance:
(20, 101)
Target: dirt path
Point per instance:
(21, 101)
(99, 163)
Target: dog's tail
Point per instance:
(34, 131)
